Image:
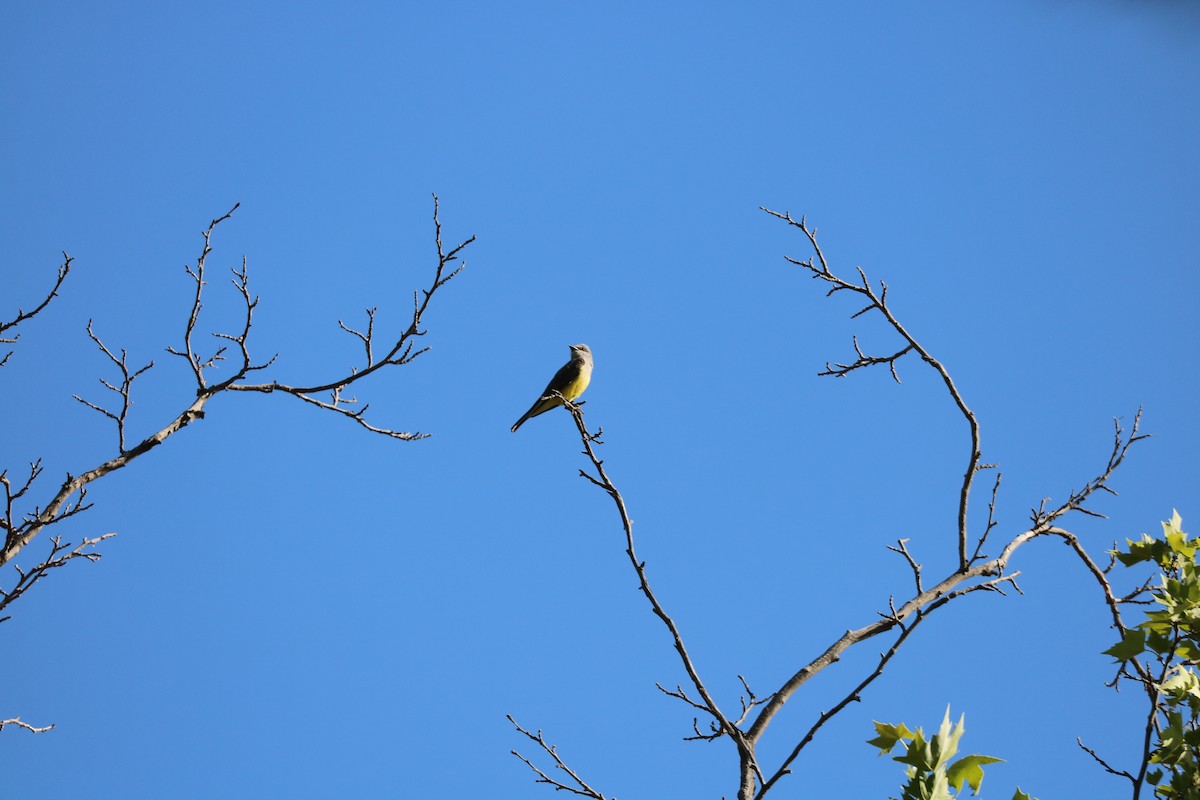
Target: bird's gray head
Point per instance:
(581, 351)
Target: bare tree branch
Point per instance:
(902, 548)
(122, 391)
(366, 338)
(402, 351)
(64, 269)
(20, 530)
(991, 519)
(194, 361)
(854, 696)
(978, 573)
(16, 722)
(577, 785)
(979, 576)
(60, 553)
(720, 721)
(988, 575)
(1119, 773)
(21, 527)
(878, 301)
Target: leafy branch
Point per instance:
(931, 773)
(1161, 654)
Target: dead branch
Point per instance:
(721, 724)
(402, 351)
(901, 547)
(842, 370)
(22, 527)
(1120, 773)
(853, 696)
(749, 701)
(20, 530)
(877, 300)
(60, 554)
(197, 364)
(64, 269)
(580, 787)
(979, 573)
(366, 338)
(16, 721)
(979, 576)
(122, 391)
(991, 518)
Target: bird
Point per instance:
(570, 381)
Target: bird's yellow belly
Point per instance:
(576, 386)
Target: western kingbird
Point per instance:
(570, 381)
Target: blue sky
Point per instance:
(296, 608)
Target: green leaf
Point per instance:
(1158, 638)
(918, 754)
(970, 770)
(1182, 681)
(1019, 795)
(1144, 549)
(1182, 550)
(1131, 645)
(939, 789)
(945, 744)
(1178, 542)
(1170, 631)
(1173, 525)
(889, 736)
(1188, 651)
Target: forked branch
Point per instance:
(61, 553)
(402, 351)
(20, 528)
(877, 301)
(576, 784)
(971, 574)
(121, 390)
(11, 337)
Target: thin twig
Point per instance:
(16, 721)
(878, 301)
(901, 547)
(194, 361)
(60, 554)
(402, 351)
(580, 787)
(64, 269)
(122, 390)
(1118, 772)
(991, 518)
(68, 499)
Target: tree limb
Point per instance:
(577, 786)
(68, 499)
(878, 301)
(969, 575)
(16, 722)
(64, 269)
